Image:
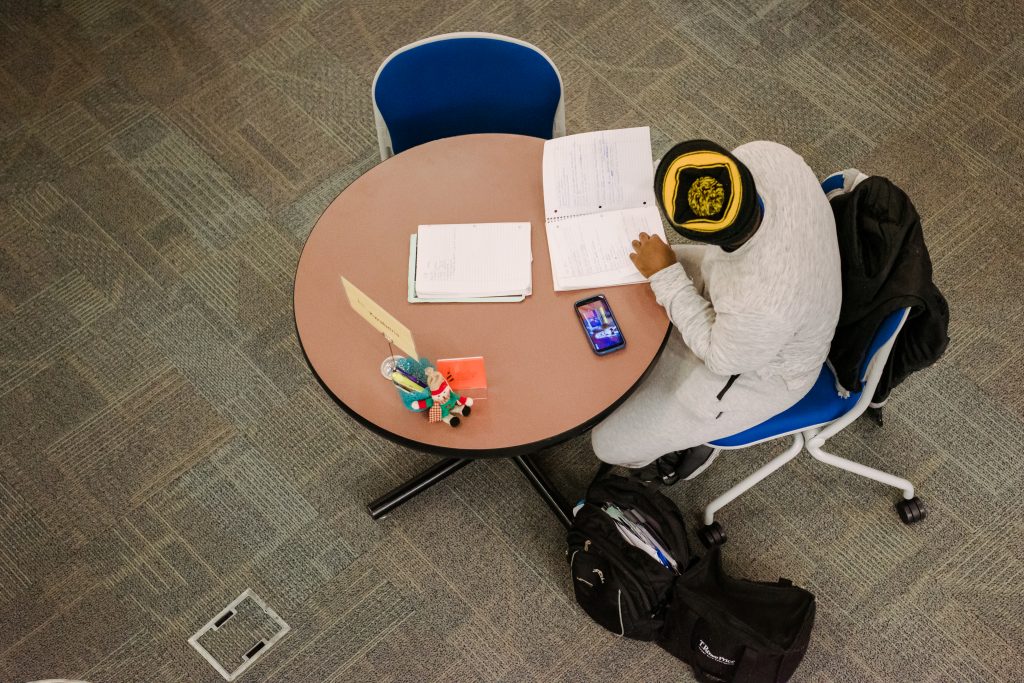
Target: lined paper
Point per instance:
(605, 170)
(593, 251)
(598, 198)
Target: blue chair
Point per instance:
(820, 415)
(462, 83)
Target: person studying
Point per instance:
(754, 306)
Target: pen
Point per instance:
(405, 383)
(410, 377)
(662, 558)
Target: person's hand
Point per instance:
(650, 254)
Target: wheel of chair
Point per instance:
(912, 510)
(712, 534)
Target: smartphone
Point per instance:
(599, 324)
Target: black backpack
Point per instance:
(728, 630)
(618, 585)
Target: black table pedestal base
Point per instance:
(415, 486)
(544, 487)
(430, 476)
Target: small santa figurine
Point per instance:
(443, 404)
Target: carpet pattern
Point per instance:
(164, 446)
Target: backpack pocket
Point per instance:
(617, 585)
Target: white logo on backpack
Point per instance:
(706, 651)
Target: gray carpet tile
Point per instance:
(164, 446)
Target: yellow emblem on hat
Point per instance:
(713, 207)
(706, 196)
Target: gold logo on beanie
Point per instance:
(706, 196)
(702, 191)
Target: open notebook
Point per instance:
(598, 197)
(470, 262)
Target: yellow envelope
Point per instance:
(382, 321)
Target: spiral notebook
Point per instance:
(598, 197)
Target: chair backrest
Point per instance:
(881, 346)
(878, 353)
(882, 342)
(461, 83)
(832, 184)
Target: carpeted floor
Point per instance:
(164, 446)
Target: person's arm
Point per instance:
(729, 343)
(691, 256)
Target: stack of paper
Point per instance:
(634, 527)
(471, 262)
(598, 198)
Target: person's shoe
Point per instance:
(695, 460)
(671, 467)
(658, 472)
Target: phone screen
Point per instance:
(600, 325)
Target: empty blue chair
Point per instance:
(820, 415)
(462, 83)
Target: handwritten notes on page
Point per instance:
(593, 251)
(598, 198)
(473, 260)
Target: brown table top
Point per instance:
(544, 383)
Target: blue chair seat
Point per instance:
(821, 405)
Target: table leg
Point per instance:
(415, 486)
(544, 487)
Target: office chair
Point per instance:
(461, 83)
(820, 415)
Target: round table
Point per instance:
(545, 385)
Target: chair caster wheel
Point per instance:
(912, 510)
(712, 534)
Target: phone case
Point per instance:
(586, 331)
